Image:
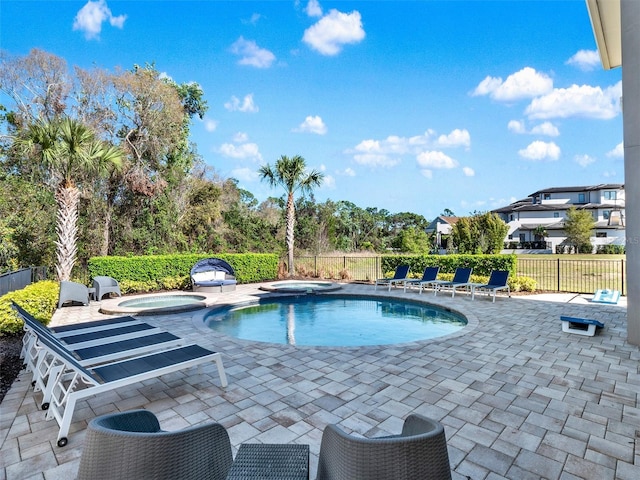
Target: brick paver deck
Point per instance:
(519, 398)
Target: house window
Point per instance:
(521, 237)
(606, 214)
(601, 234)
(511, 218)
(581, 198)
(611, 195)
(547, 196)
(556, 215)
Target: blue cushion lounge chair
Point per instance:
(132, 445)
(428, 278)
(105, 285)
(419, 452)
(497, 281)
(68, 381)
(90, 348)
(213, 275)
(460, 280)
(400, 275)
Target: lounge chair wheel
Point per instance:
(63, 442)
(45, 406)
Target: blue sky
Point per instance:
(409, 106)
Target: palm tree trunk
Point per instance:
(68, 198)
(291, 221)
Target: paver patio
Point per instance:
(519, 398)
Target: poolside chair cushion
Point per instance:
(213, 274)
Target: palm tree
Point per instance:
(68, 152)
(291, 174)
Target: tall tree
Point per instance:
(578, 225)
(291, 174)
(68, 151)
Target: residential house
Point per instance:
(539, 218)
(441, 226)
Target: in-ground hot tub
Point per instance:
(301, 286)
(157, 304)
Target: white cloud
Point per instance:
(585, 60)
(427, 173)
(617, 152)
(312, 124)
(584, 160)
(328, 181)
(240, 137)
(375, 160)
(546, 128)
(210, 125)
(539, 150)
(516, 126)
(577, 101)
(387, 152)
(251, 54)
(241, 152)
(313, 8)
(435, 159)
(247, 105)
(526, 83)
(348, 172)
(245, 174)
(253, 20)
(333, 31)
(90, 18)
(456, 138)
(468, 172)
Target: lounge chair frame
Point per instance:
(460, 280)
(400, 275)
(67, 377)
(429, 277)
(497, 281)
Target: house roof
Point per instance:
(587, 188)
(607, 29)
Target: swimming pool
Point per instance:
(299, 286)
(334, 320)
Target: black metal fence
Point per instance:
(21, 278)
(553, 274)
(579, 276)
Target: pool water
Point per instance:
(334, 321)
(162, 301)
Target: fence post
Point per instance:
(558, 274)
(622, 276)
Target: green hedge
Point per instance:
(167, 272)
(39, 299)
(481, 264)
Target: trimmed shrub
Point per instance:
(39, 299)
(481, 264)
(168, 272)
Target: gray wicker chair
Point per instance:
(73, 292)
(130, 445)
(104, 285)
(419, 452)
